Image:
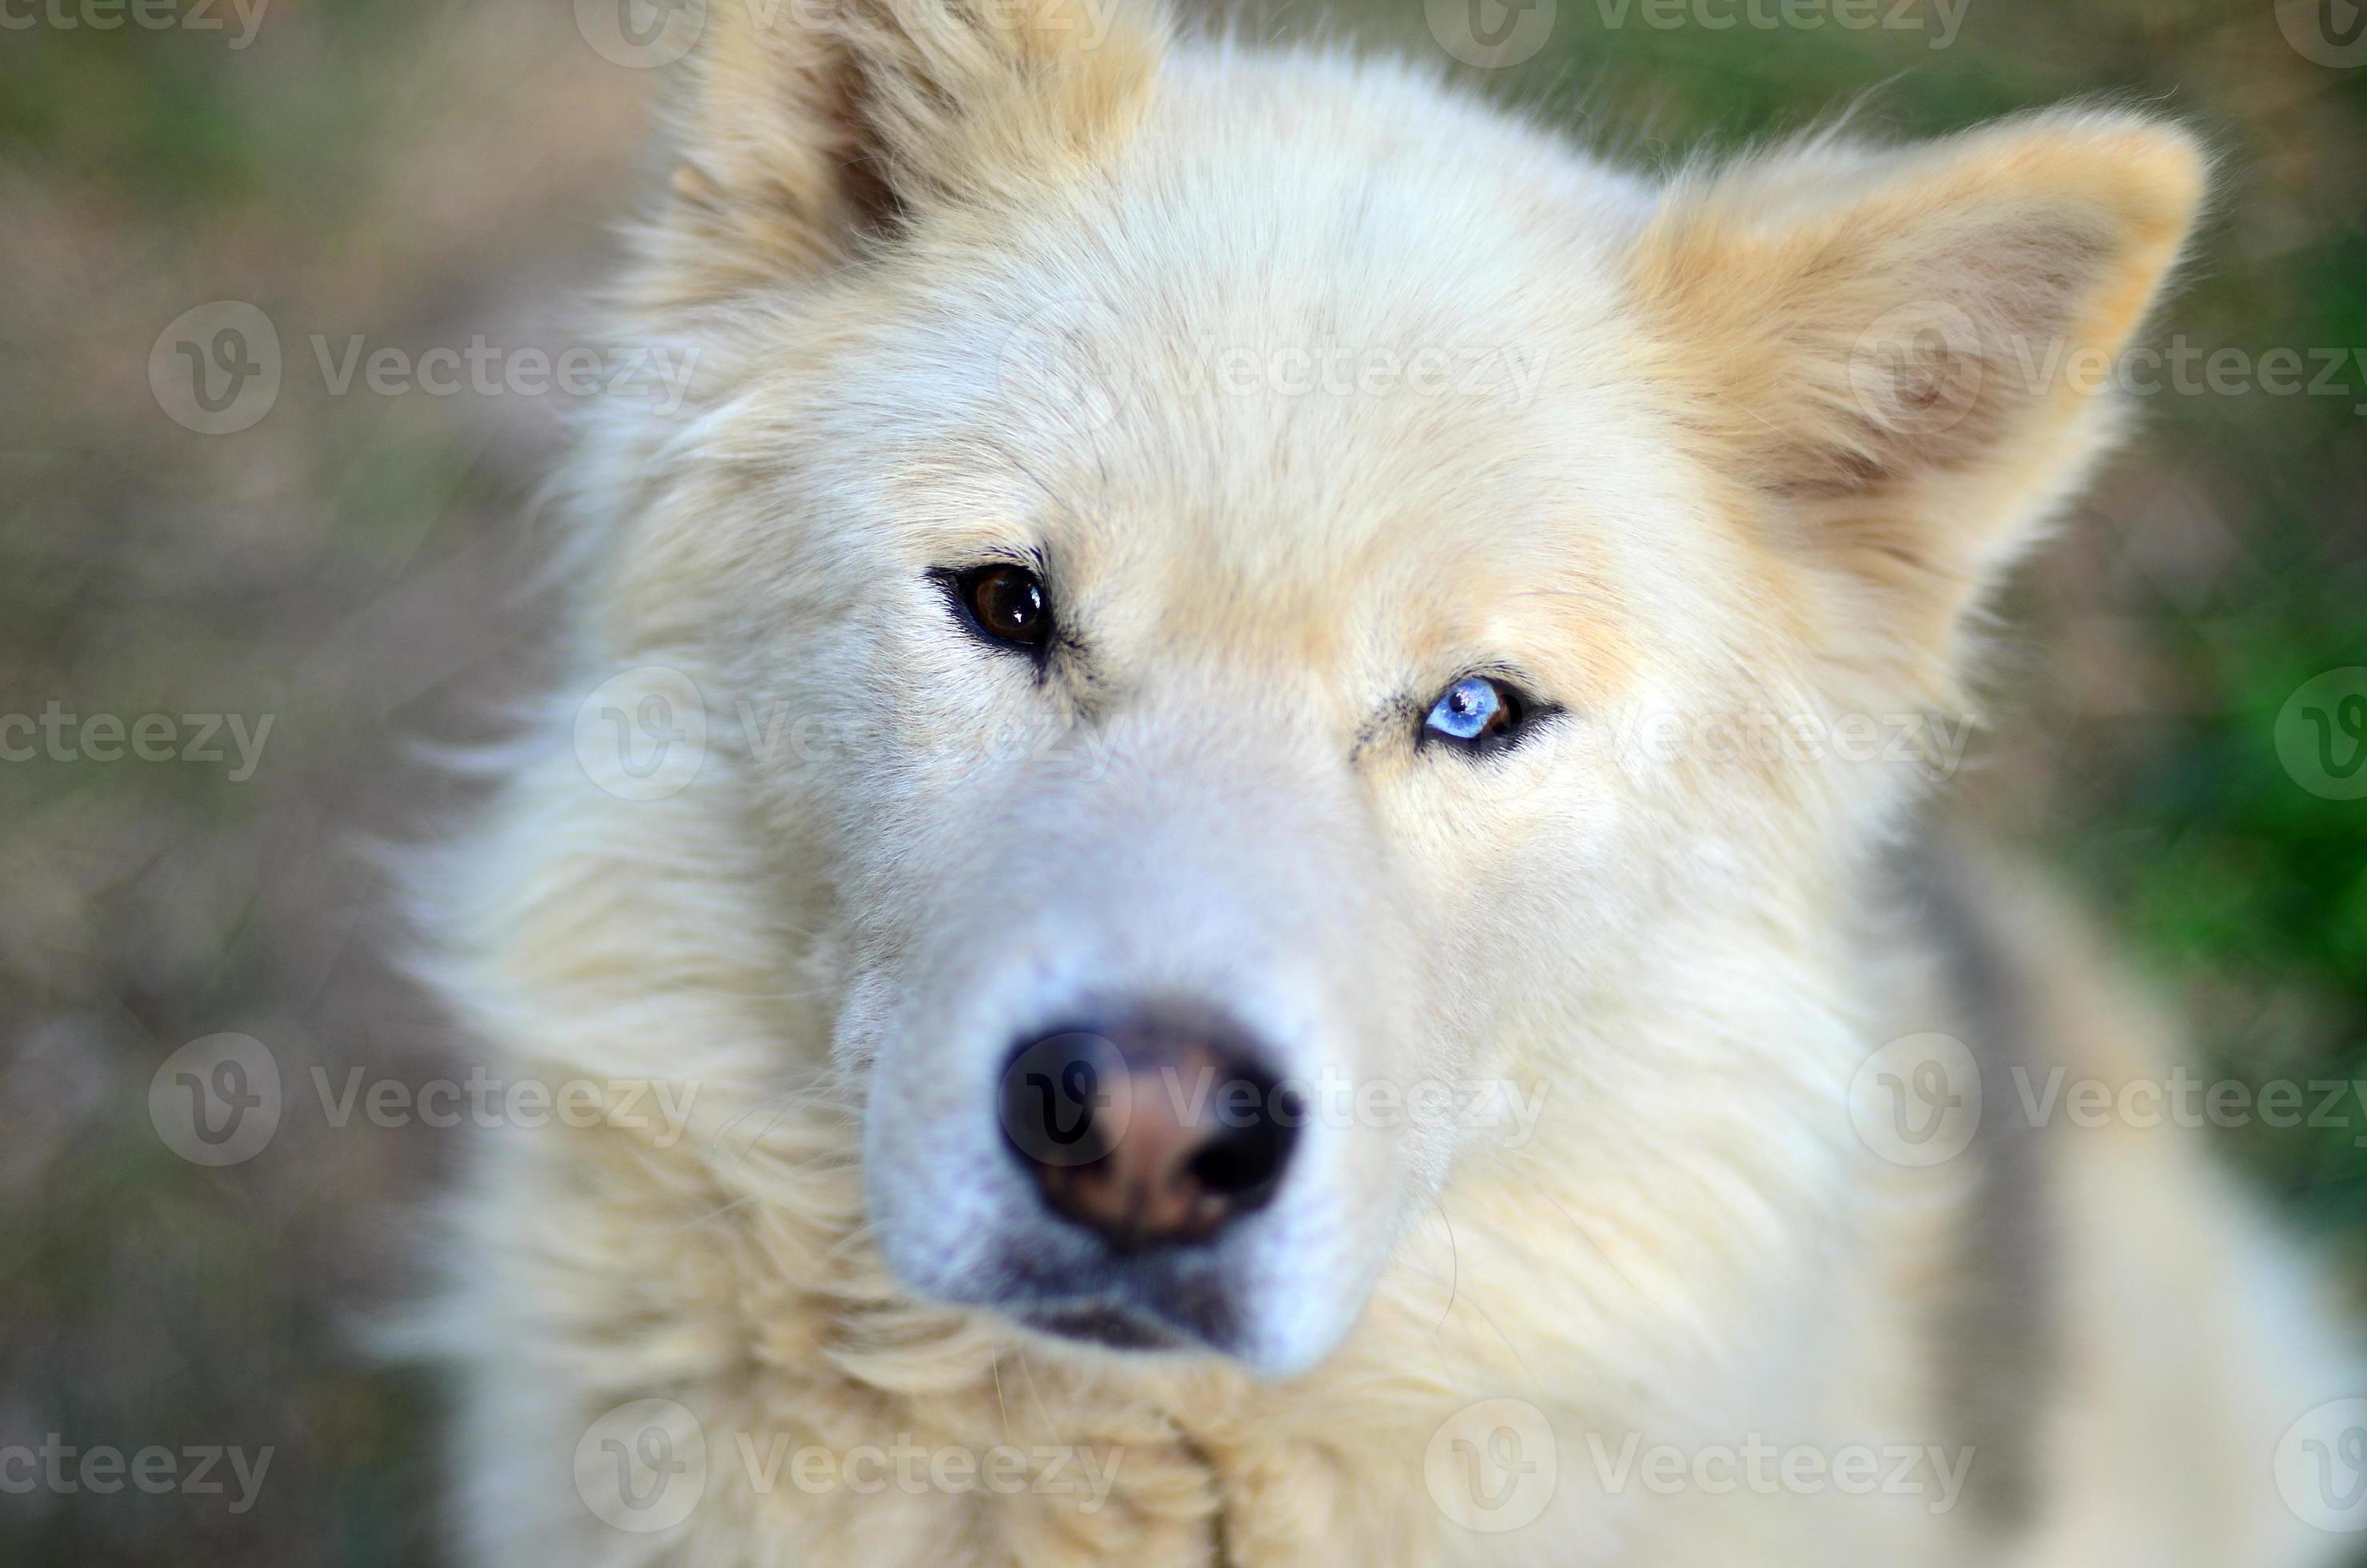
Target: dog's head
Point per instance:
(1289, 622)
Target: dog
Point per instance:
(1248, 878)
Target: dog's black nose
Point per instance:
(1162, 1130)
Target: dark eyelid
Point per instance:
(949, 577)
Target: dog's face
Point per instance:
(1278, 586)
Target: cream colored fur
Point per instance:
(1712, 499)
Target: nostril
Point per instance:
(1246, 1156)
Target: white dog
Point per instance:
(1241, 886)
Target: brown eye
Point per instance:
(1008, 603)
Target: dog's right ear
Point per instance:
(1871, 345)
(812, 130)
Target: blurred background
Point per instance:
(351, 565)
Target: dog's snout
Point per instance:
(1160, 1131)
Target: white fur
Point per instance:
(837, 929)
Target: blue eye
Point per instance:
(1473, 709)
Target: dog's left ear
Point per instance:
(1902, 361)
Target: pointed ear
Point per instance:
(811, 129)
(1903, 360)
